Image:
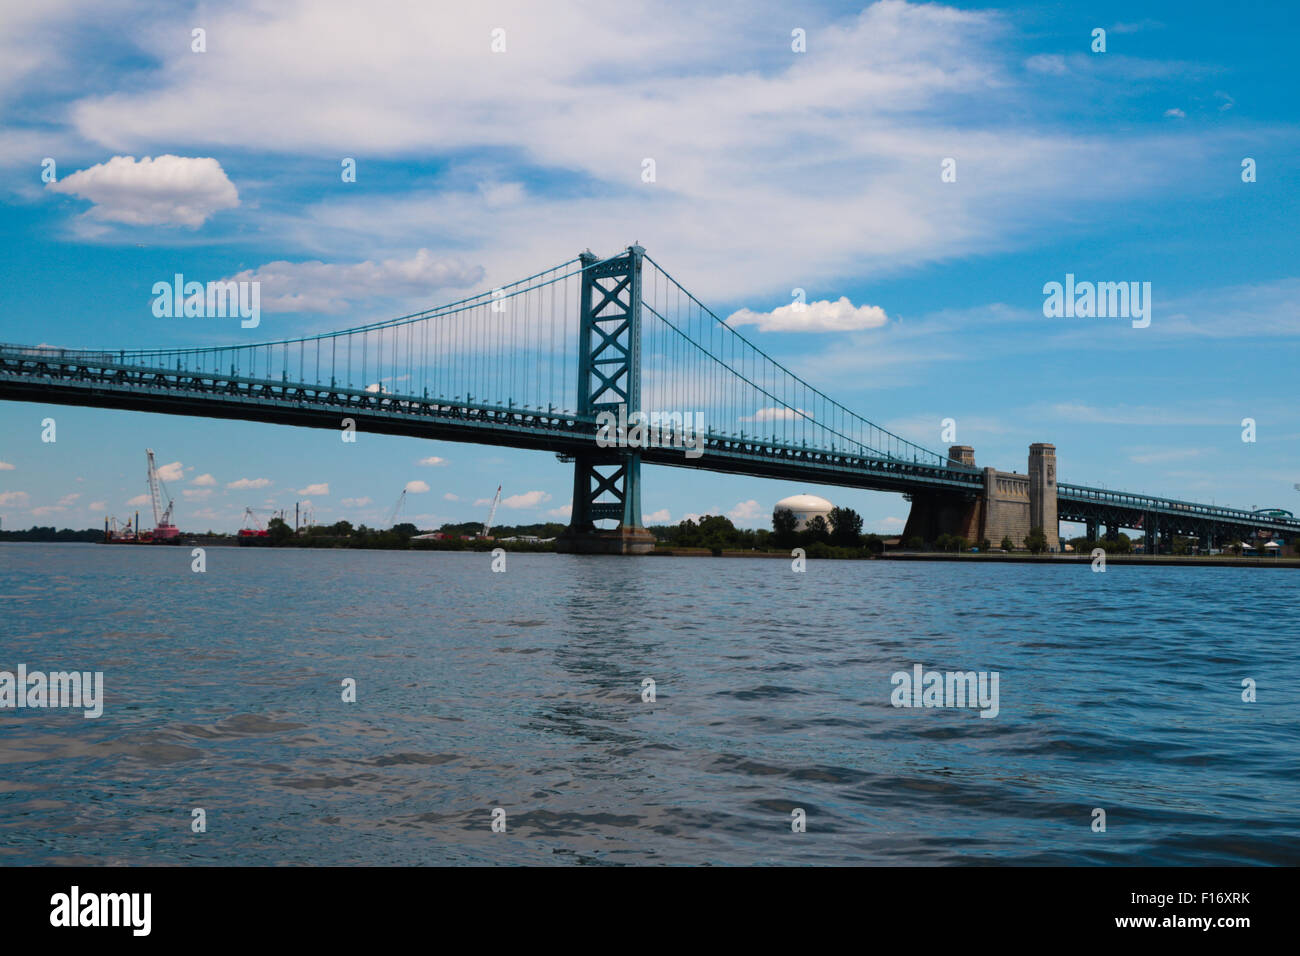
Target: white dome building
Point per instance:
(805, 508)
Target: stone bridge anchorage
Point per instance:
(1004, 504)
(1009, 504)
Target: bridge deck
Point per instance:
(94, 379)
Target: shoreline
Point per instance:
(1162, 560)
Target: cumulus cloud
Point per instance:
(204, 481)
(433, 460)
(356, 502)
(778, 413)
(171, 472)
(168, 190)
(196, 494)
(662, 516)
(332, 287)
(249, 483)
(417, 487)
(529, 499)
(98, 506)
(838, 316)
(561, 513)
(748, 511)
(318, 489)
(5, 466)
(450, 497)
(139, 500)
(1176, 113)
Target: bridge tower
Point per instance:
(607, 481)
(1042, 492)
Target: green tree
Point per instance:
(846, 527)
(1036, 541)
(784, 524)
(1007, 543)
(280, 532)
(717, 533)
(985, 546)
(688, 534)
(817, 531)
(914, 543)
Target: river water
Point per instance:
(523, 690)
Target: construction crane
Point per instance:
(256, 531)
(162, 517)
(397, 508)
(492, 513)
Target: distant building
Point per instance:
(805, 508)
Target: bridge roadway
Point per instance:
(68, 377)
(94, 379)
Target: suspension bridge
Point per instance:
(549, 361)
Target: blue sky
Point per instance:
(774, 170)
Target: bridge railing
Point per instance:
(1150, 503)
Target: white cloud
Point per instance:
(5, 466)
(417, 487)
(1137, 26)
(42, 510)
(69, 499)
(1170, 454)
(171, 472)
(138, 501)
(356, 502)
(97, 506)
(529, 499)
(249, 483)
(196, 494)
(1148, 415)
(561, 513)
(169, 190)
(1176, 113)
(819, 148)
(777, 414)
(204, 481)
(332, 287)
(838, 316)
(748, 511)
(319, 489)
(450, 497)
(662, 516)
(433, 460)
(1051, 63)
